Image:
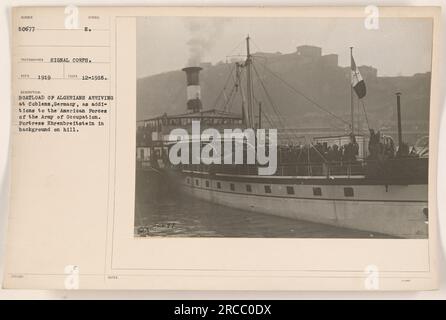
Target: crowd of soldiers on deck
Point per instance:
(143, 136)
(319, 153)
(380, 148)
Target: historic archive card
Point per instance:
(224, 148)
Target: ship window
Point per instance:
(196, 182)
(207, 184)
(232, 186)
(348, 192)
(289, 190)
(248, 188)
(317, 191)
(267, 189)
(218, 185)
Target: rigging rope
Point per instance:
(279, 115)
(229, 101)
(236, 87)
(323, 158)
(276, 110)
(365, 114)
(235, 48)
(306, 97)
(264, 114)
(224, 87)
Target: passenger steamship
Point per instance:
(351, 180)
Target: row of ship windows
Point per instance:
(317, 191)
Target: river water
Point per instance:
(174, 215)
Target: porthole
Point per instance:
(317, 191)
(348, 192)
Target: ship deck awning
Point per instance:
(213, 113)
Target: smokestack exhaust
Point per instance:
(193, 88)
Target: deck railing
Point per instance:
(396, 169)
(308, 169)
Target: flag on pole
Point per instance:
(358, 83)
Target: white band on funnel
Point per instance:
(193, 92)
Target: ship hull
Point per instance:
(396, 210)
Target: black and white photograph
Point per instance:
(251, 127)
(270, 151)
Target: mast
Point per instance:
(351, 93)
(249, 88)
(239, 86)
(260, 116)
(398, 113)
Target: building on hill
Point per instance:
(205, 65)
(368, 72)
(330, 60)
(309, 51)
